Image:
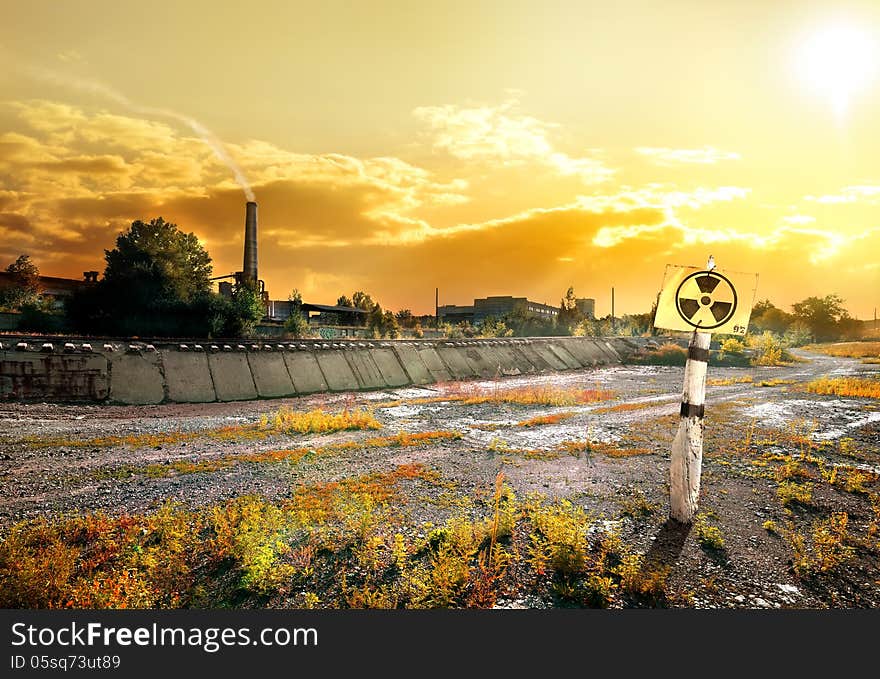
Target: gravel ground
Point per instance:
(49, 467)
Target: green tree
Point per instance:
(157, 283)
(766, 316)
(569, 315)
(25, 285)
(361, 300)
(158, 261)
(826, 316)
(297, 325)
(247, 310)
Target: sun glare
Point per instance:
(838, 61)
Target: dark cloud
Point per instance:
(14, 221)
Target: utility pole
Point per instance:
(437, 307)
(612, 310)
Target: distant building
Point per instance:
(586, 306)
(496, 307)
(56, 289)
(455, 314)
(317, 314)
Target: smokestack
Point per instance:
(250, 243)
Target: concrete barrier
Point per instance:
(434, 363)
(136, 379)
(482, 361)
(336, 370)
(188, 377)
(232, 376)
(415, 367)
(270, 374)
(52, 376)
(389, 365)
(455, 361)
(570, 361)
(140, 374)
(305, 372)
(365, 369)
(530, 354)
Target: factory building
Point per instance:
(500, 306)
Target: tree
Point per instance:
(361, 300)
(569, 315)
(247, 310)
(157, 283)
(159, 262)
(825, 317)
(25, 288)
(297, 324)
(404, 317)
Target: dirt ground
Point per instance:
(56, 459)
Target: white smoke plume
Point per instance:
(201, 131)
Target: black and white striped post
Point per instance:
(687, 447)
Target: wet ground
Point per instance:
(608, 456)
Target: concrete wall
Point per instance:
(138, 373)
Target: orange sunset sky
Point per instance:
(482, 147)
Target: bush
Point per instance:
(731, 347)
(667, 354)
(769, 349)
(798, 334)
(296, 325)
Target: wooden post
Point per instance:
(687, 448)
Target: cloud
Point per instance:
(502, 135)
(865, 193)
(667, 157)
(798, 220)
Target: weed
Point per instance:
(708, 536)
(790, 492)
(844, 386)
(728, 381)
(625, 407)
(553, 396)
(848, 349)
(637, 506)
(827, 549)
(318, 421)
(546, 419)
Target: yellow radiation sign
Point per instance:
(705, 300)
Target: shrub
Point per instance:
(769, 350)
(731, 347)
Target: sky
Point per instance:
(484, 147)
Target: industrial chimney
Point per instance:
(250, 243)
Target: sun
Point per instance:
(838, 61)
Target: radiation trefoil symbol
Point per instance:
(705, 300)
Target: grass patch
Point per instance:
(344, 544)
(825, 549)
(552, 396)
(708, 536)
(290, 455)
(790, 492)
(728, 381)
(848, 349)
(844, 386)
(541, 420)
(283, 421)
(318, 421)
(625, 407)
